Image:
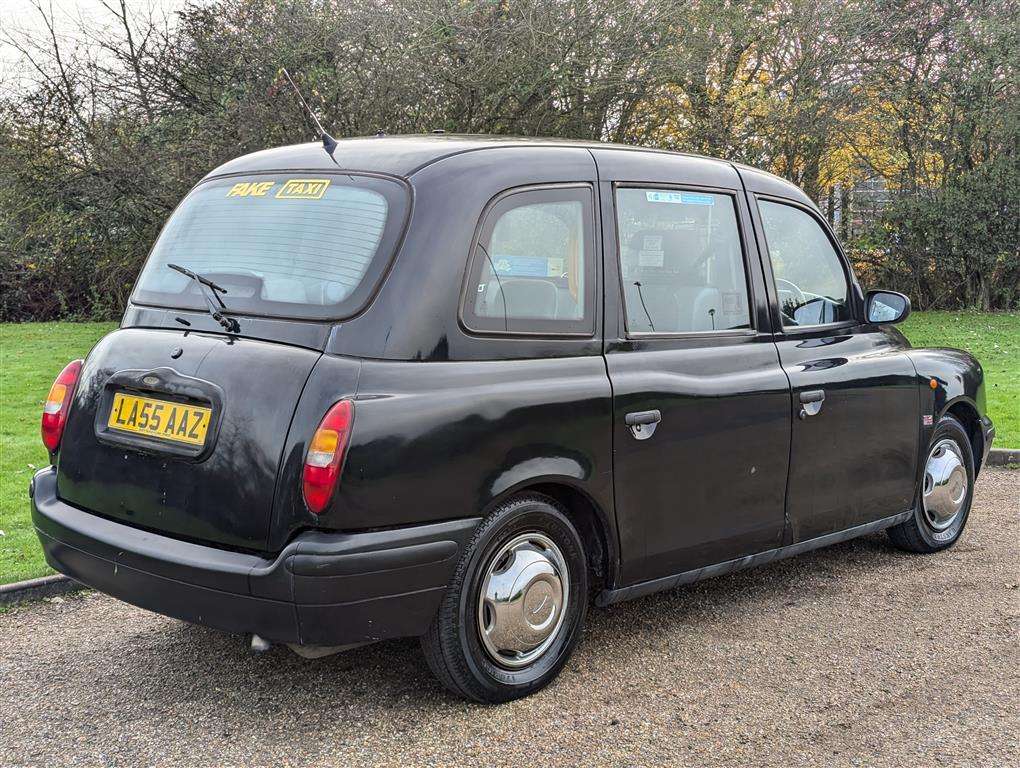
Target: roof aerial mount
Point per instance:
(328, 142)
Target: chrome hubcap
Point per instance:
(523, 600)
(945, 484)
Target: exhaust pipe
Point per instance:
(260, 644)
(319, 651)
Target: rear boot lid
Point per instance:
(183, 433)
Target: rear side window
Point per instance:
(532, 266)
(810, 280)
(681, 262)
(285, 245)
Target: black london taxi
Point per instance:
(459, 388)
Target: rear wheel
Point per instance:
(516, 605)
(945, 494)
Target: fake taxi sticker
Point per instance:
(251, 189)
(303, 189)
(292, 189)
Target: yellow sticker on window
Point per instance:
(250, 189)
(303, 189)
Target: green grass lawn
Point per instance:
(31, 355)
(994, 339)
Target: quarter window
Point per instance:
(681, 262)
(532, 267)
(810, 280)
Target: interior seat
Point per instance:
(284, 289)
(523, 297)
(530, 298)
(672, 287)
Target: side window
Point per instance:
(532, 267)
(681, 262)
(810, 280)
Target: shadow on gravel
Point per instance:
(208, 667)
(785, 583)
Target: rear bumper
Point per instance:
(322, 589)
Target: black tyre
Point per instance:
(945, 493)
(516, 605)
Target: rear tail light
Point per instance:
(326, 454)
(58, 402)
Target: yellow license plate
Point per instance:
(160, 419)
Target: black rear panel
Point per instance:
(220, 491)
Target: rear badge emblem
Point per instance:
(150, 381)
(176, 352)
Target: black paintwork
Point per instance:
(390, 581)
(448, 421)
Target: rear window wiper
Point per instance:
(229, 323)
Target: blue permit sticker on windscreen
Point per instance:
(684, 198)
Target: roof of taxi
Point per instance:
(405, 155)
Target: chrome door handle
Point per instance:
(642, 423)
(811, 402)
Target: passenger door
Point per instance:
(855, 398)
(700, 403)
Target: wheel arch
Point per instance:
(952, 382)
(964, 410)
(587, 515)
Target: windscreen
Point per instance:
(286, 245)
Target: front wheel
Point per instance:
(945, 494)
(516, 605)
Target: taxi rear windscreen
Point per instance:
(281, 244)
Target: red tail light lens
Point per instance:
(326, 455)
(58, 402)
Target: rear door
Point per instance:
(700, 403)
(855, 399)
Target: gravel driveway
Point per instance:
(854, 655)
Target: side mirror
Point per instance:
(886, 307)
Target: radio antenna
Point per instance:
(328, 142)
